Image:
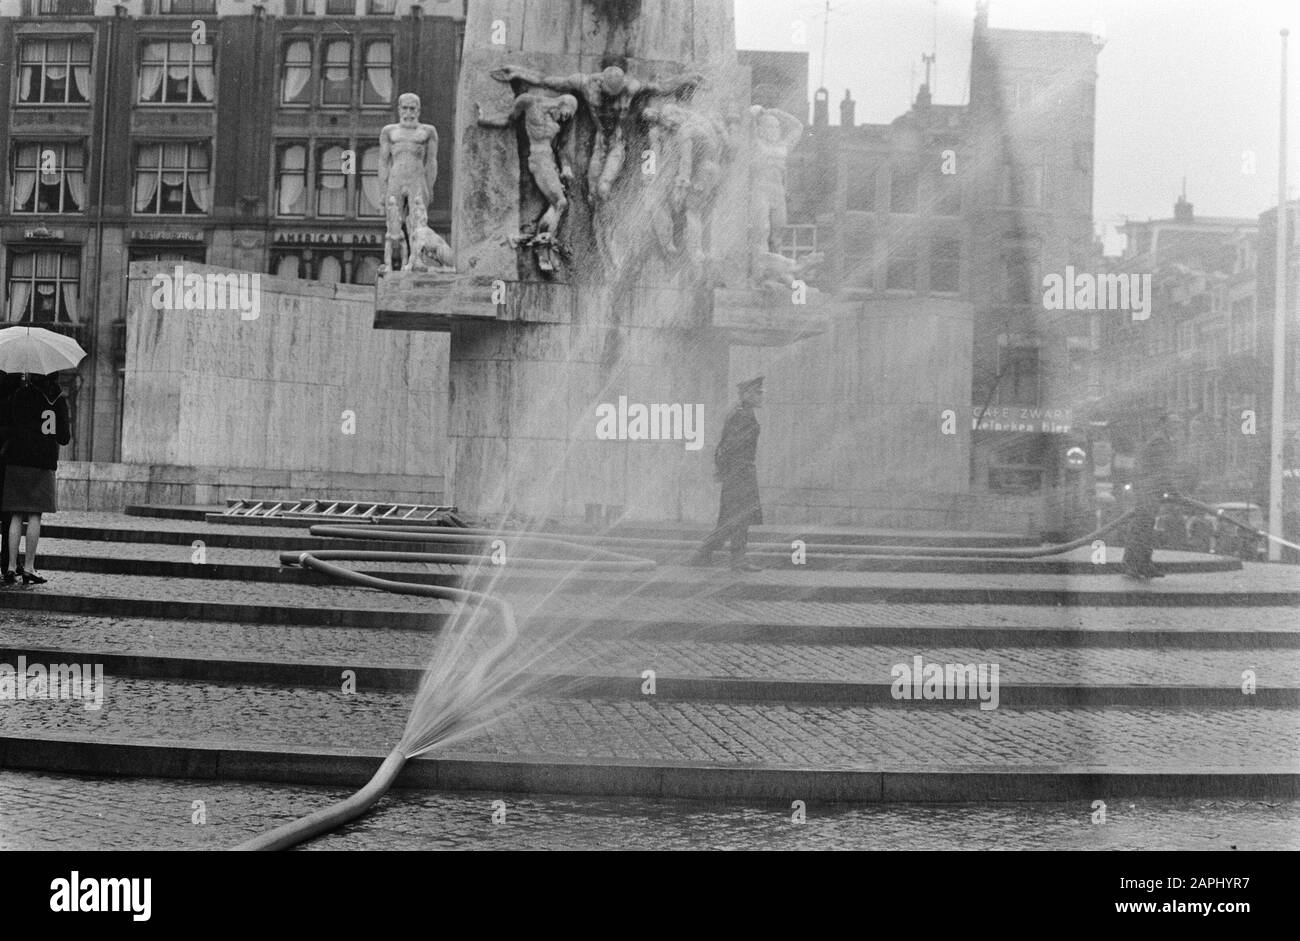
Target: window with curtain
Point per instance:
(378, 87)
(295, 86)
(336, 73)
(286, 265)
(44, 287)
(365, 268)
(176, 72)
(172, 179)
(330, 269)
(380, 7)
(370, 202)
(331, 182)
(291, 180)
(49, 177)
(54, 71)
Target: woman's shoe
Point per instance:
(31, 578)
(8, 578)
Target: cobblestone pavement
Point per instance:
(685, 658)
(1119, 618)
(46, 812)
(821, 736)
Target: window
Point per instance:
(291, 180)
(1018, 361)
(295, 87)
(380, 7)
(1022, 185)
(66, 7)
(336, 74)
(797, 241)
(49, 178)
(332, 68)
(332, 267)
(345, 180)
(187, 7)
(172, 179)
(44, 287)
(370, 201)
(945, 266)
(1018, 281)
(1186, 337)
(54, 72)
(332, 7)
(331, 182)
(860, 191)
(902, 190)
(378, 86)
(176, 72)
(947, 194)
(900, 274)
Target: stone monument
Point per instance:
(603, 227)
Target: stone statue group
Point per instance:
(699, 144)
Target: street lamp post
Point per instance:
(1277, 421)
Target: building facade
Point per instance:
(976, 203)
(212, 131)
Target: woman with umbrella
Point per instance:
(34, 423)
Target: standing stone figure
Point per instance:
(735, 461)
(775, 135)
(408, 167)
(548, 122)
(610, 96)
(701, 143)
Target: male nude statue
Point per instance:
(408, 167)
(610, 95)
(775, 135)
(702, 140)
(548, 122)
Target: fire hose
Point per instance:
(416, 740)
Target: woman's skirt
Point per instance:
(28, 490)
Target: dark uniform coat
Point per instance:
(734, 460)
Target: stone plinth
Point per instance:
(769, 318)
(209, 388)
(858, 413)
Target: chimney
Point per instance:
(1182, 209)
(922, 97)
(848, 107)
(821, 108)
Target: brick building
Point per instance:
(217, 131)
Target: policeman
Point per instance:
(1153, 478)
(734, 460)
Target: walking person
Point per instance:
(34, 422)
(1153, 477)
(8, 383)
(734, 461)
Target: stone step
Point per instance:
(575, 745)
(1093, 681)
(59, 553)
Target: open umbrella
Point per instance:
(37, 350)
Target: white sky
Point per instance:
(1185, 87)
